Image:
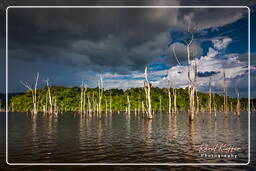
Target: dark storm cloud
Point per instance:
(118, 40)
(89, 37)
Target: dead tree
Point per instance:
(33, 91)
(225, 95)
(110, 103)
(55, 107)
(192, 90)
(197, 103)
(94, 104)
(191, 67)
(100, 92)
(169, 101)
(106, 106)
(128, 105)
(50, 111)
(89, 109)
(82, 98)
(142, 107)
(237, 103)
(210, 96)
(174, 100)
(147, 88)
(169, 94)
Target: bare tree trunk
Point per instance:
(50, 96)
(106, 106)
(225, 96)
(84, 99)
(147, 87)
(34, 97)
(94, 105)
(237, 103)
(89, 105)
(210, 96)
(175, 100)
(110, 103)
(129, 105)
(192, 103)
(214, 106)
(55, 105)
(142, 108)
(197, 103)
(169, 101)
(101, 89)
(192, 81)
(81, 98)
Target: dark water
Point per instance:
(119, 138)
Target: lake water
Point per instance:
(122, 138)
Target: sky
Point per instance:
(71, 45)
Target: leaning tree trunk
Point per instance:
(147, 87)
(33, 91)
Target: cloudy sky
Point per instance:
(68, 45)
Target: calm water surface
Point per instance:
(119, 138)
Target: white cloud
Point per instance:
(221, 43)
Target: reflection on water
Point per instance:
(116, 138)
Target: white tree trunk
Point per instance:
(147, 87)
(33, 91)
(129, 106)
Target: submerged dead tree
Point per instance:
(213, 99)
(147, 88)
(210, 96)
(197, 103)
(128, 105)
(33, 91)
(237, 103)
(89, 109)
(100, 92)
(110, 102)
(83, 98)
(174, 100)
(55, 106)
(169, 94)
(225, 95)
(191, 67)
(160, 103)
(50, 110)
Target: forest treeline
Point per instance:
(68, 99)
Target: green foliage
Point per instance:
(68, 99)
